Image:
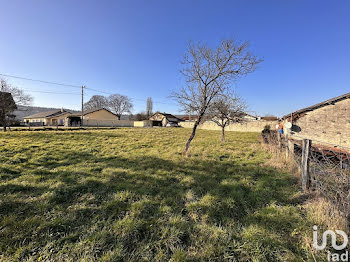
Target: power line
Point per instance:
(70, 85)
(136, 99)
(49, 92)
(107, 93)
(41, 81)
(85, 95)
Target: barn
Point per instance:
(327, 122)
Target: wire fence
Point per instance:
(324, 167)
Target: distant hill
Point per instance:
(24, 111)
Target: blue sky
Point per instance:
(135, 48)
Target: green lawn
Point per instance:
(129, 195)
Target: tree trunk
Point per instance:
(3, 120)
(187, 146)
(223, 133)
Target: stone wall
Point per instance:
(329, 124)
(249, 126)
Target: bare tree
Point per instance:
(227, 110)
(209, 74)
(119, 104)
(149, 108)
(96, 102)
(7, 106)
(140, 116)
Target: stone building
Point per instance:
(327, 122)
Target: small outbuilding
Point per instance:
(248, 117)
(189, 118)
(164, 119)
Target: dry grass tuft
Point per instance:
(317, 210)
(279, 159)
(322, 212)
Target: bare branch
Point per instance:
(209, 73)
(96, 102)
(119, 104)
(226, 110)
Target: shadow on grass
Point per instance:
(133, 197)
(250, 186)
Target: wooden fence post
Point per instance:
(305, 161)
(287, 146)
(290, 148)
(279, 140)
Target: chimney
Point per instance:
(62, 110)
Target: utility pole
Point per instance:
(82, 105)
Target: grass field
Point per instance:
(129, 195)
